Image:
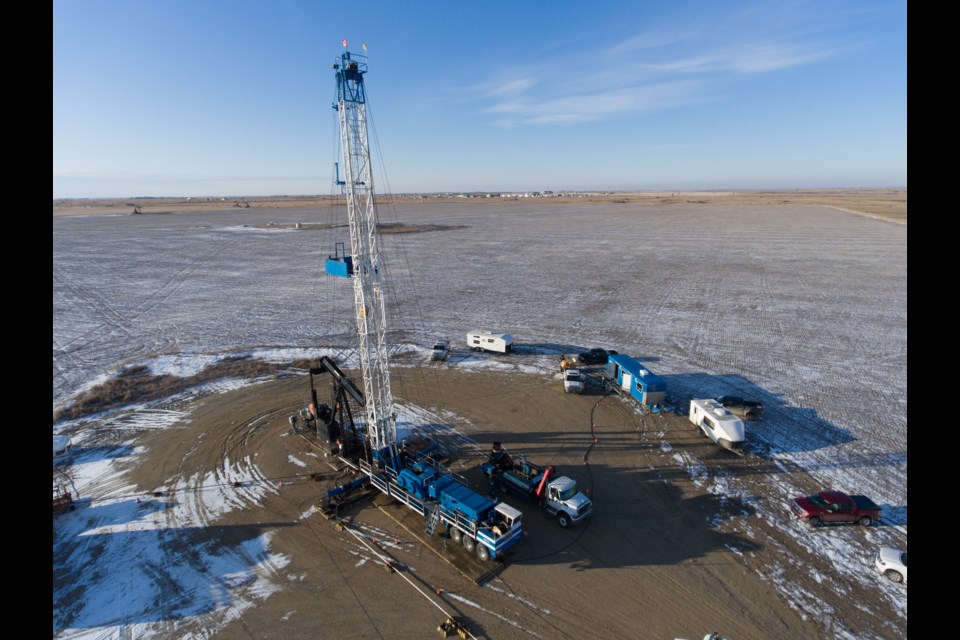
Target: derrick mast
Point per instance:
(484, 526)
(364, 264)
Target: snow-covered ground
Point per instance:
(132, 566)
(803, 308)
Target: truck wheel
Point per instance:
(469, 543)
(455, 534)
(865, 521)
(483, 553)
(816, 521)
(893, 575)
(563, 519)
(750, 415)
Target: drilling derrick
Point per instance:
(484, 527)
(364, 264)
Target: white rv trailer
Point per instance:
(718, 424)
(486, 341)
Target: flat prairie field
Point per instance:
(198, 510)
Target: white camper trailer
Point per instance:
(486, 341)
(718, 424)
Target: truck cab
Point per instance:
(566, 502)
(505, 517)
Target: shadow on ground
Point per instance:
(783, 429)
(104, 577)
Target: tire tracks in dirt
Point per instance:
(108, 319)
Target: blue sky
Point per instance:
(233, 98)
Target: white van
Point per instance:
(486, 341)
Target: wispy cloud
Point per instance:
(514, 86)
(659, 68)
(593, 104)
(744, 59)
(650, 40)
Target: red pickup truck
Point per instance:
(835, 506)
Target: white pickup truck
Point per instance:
(573, 381)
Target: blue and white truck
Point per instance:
(481, 525)
(558, 496)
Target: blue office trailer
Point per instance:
(629, 375)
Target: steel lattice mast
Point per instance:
(366, 267)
